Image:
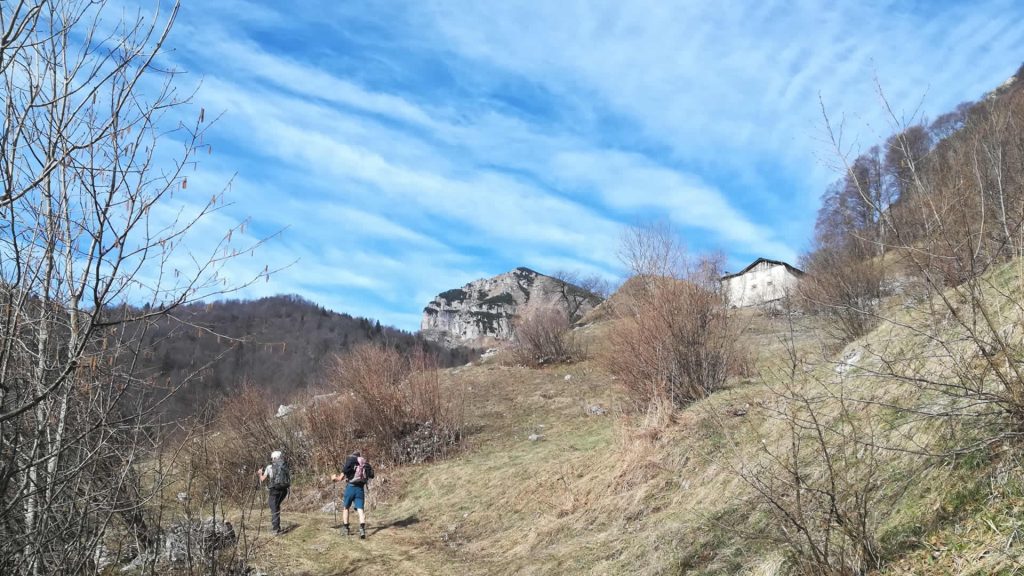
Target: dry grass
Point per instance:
(658, 492)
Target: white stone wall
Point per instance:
(763, 283)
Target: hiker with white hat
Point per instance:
(278, 479)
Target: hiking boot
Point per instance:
(362, 533)
(345, 530)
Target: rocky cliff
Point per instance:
(482, 310)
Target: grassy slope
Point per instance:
(648, 495)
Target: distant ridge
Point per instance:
(278, 344)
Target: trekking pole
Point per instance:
(335, 502)
(256, 489)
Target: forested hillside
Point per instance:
(278, 345)
(937, 204)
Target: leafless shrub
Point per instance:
(330, 428)
(845, 288)
(820, 486)
(672, 339)
(542, 335)
(214, 518)
(399, 406)
(248, 432)
(819, 472)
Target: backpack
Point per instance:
(359, 476)
(282, 477)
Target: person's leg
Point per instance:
(275, 510)
(359, 509)
(271, 503)
(347, 502)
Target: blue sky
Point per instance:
(408, 148)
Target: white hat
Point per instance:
(276, 454)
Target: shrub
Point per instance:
(541, 335)
(396, 397)
(673, 339)
(387, 403)
(249, 433)
(845, 288)
(330, 428)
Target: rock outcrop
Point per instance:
(482, 311)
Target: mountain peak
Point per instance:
(481, 311)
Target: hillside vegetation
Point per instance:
(680, 493)
(280, 345)
(871, 425)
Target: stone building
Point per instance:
(762, 282)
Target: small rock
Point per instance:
(568, 377)
(535, 437)
(182, 496)
(848, 362)
(284, 410)
(596, 410)
(139, 563)
(102, 557)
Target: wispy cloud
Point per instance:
(411, 148)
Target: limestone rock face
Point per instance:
(482, 311)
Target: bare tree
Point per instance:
(576, 291)
(673, 340)
(957, 230)
(93, 145)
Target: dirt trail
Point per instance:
(313, 545)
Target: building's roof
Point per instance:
(789, 267)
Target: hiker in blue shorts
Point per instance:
(357, 472)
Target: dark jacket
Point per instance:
(349, 470)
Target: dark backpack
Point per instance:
(282, 477)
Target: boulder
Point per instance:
(197, 538)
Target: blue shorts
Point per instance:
(353, 493)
